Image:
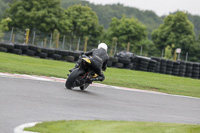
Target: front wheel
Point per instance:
(84, 86)
(70, 83)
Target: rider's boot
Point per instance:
(99, 78)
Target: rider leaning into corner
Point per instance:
(98, 61)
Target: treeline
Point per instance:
(147, 17)
(105, 14)
(125, 27)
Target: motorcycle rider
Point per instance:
(98, 61)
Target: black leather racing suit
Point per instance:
(98, 62)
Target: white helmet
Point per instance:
(103, 45)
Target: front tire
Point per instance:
(70, 83)
(84, 86)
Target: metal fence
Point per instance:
(66, 42)
(44, 40)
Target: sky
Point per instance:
(160, 7)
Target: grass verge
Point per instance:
(118, 77)
(112, 127)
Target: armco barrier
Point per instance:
(140, 63)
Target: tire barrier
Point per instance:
(30, 52)
(188, 72)
(157, 68)
(195, 70)
(124, 60)
(56, 57)
(109, 64)
(163, 64)
(17, 51)
(41, 55)
(21, 47)
(182, 69)
(8, 46)
(169, 67)
(118, 65)
(2, 49)
(152, 65)
(175, 70)
(144, 63)
(136, 63)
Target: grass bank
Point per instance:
(119, 77)
(112, 127)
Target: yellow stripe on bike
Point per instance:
(87, 60)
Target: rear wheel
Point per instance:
(70, 83)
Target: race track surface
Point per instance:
(24, 101)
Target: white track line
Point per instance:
(62, 80)
(20, 129)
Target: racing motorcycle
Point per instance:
(79, 77)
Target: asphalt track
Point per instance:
(24, 101)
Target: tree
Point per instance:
(45, 15)
(4, 26)
(169, 52)
(8, 1)
(127, 30)
(106, 12)
(194, 52)
(84, 22)
(177, 29)
(3, 7)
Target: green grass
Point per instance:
(112, 127)
(118, 77)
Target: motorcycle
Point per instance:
(79, 77)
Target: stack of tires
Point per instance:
(60, 54)
(16, 51)
(63, 55)
(22, 48)
(126, 63)
(112, 61)
(50, 52)
(32, 50)
(41, 55)
(152, 65)
(144, 63)
(118, 65)
(69, 56)
(199, 71)
(182, 69)
(124, 60)
(163, 64)
(2, 49)
(128, 66)
(157, 68)
(175, 70)
(6, 47)
(136, 63)
(121, 63)
(169, 67)
(37, 52)
(195, 70)
(188, 72)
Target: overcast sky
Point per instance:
(160, 7)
